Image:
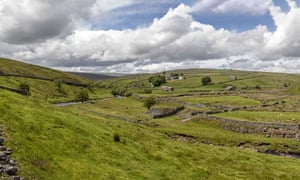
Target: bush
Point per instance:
(83, 95)
(25, 88)
(206, 80)
(148, 91)
(157, 80)
(149, 102)
(117, 137)
(59, 84)
(120, 91)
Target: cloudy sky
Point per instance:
(135, 36)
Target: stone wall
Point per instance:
(269, 129)
(8, 167)
(163, 112)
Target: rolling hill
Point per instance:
(117, 137)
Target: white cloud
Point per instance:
(285, 41)
(254, 7)
(29, 21)
(175, 40)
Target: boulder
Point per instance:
(11, 170)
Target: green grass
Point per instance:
(9, 66)
(202, 130)
(56, 143)
(221, 100)
(263, 116)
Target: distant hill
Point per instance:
(94, 76)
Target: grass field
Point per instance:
(263, 116)
(227, 100)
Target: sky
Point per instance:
(139, 36)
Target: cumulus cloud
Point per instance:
(29, 21)
(175, 40)
(285, 41)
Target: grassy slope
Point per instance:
(44, 89)
(77, 142)
(54, 143)
(9, 66)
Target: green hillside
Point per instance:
(118, 138)
(45, 83)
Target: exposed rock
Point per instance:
(158, 113)
(15, 178)
(11, 170)
(12, 162)
(7, 165)
(230, 88)
(167, 88)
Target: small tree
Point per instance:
(206, 80)
(149, 102)
(25, 88)
(120, 91)
(83, 95)
(157, 80)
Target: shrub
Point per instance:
(117, 137)
(148, 91)
(59, 85)
(25, 88)
(118, 91)
(257, 87)
(206, 80)
(127, 94)
(83, 95)
(149, 102)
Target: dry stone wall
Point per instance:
(269, 129)
(8, 166)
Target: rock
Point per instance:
(1, 140)
(8, 151)
(3, 156)
(3, 148)
(11, 170)
(12, 162)
(15, 178)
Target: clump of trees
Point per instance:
(120, 91)
(25, 88)
(149, 102)
(206, 80)
(157, 80)
(83, 95)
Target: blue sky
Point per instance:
(137, 36)
(137, 15)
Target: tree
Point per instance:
(25, 88)
(120, 91)
(83, 95)
(149, 102)
(206, 80)
(157, 80)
